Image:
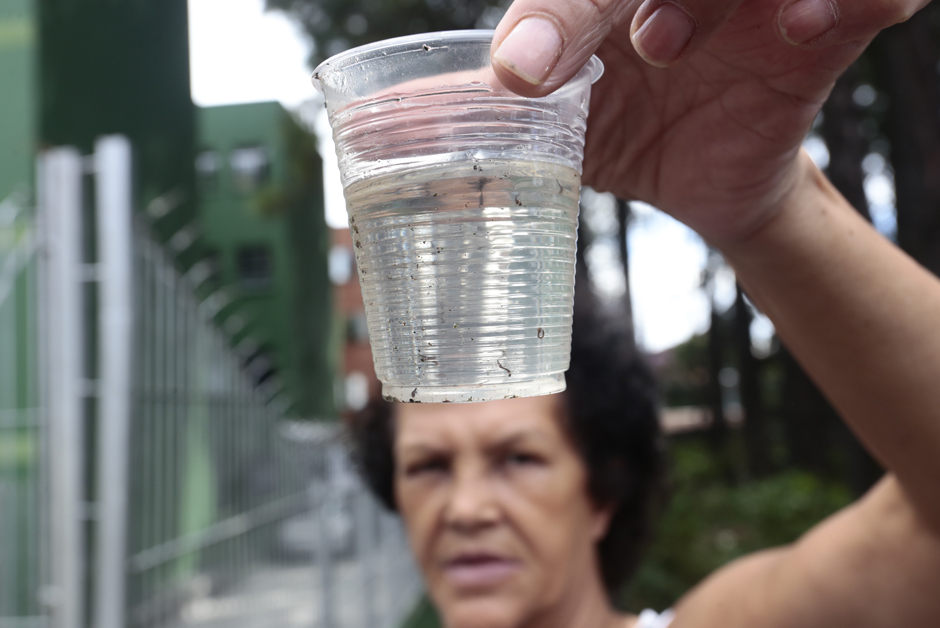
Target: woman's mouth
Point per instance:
(479, 570)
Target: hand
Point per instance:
(704, 103)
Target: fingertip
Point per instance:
(805, 21)
(530, 50)
(661, 36)
(513, 83)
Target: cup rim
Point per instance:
(341, 60)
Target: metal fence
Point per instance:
(23, 540)
(165, 489)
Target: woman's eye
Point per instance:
(523, 459)
(425, 467)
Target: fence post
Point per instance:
(365, 551)
(60, 210)
(113, 216)
(319, 498)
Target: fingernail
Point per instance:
(531, 50)
(805, 20)
(664, 34)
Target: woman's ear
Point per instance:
(616, 483)
(600, 522)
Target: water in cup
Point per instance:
(467, 273)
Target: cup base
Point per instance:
(547, 385)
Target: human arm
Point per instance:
(864, 321)
(714, 139)
(862, 318)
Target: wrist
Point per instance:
(792, 218)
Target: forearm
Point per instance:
(864, 321)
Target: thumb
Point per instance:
(540, 44)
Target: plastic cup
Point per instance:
(463, 209)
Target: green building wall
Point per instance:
(74, 70)
(17, 96)
(19, 446)
(279, 218)
(122, 66)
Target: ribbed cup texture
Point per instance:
(463, 205)
(461, 124)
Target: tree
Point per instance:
(908, 57)
(591, 232)
(758, 450)
(816, 438)
(624, 216)
(336, 25)
(842, 130)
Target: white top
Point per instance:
(652, 619)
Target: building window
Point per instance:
(255, 267)
(341, 265)
(250, 168)
(208, 166)
(357, 391)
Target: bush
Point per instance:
(708, 523)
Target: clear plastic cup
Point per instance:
(463, 208)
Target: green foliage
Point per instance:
(336, 25)
(304, 173)
(683, 379)
(708, 523)
(424, 615)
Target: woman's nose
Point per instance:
(471, 504)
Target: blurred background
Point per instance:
(182, 334)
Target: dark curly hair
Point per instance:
(610, 413)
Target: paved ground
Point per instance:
(290, 596)
(278, 597)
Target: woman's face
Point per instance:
(495, 500)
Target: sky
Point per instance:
(241, 54)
